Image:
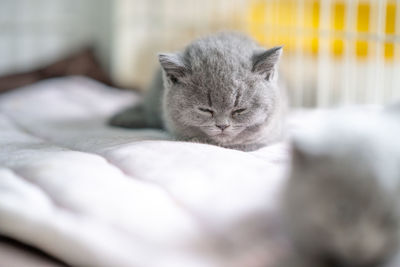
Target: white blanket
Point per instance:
(93, 195)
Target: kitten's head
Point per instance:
(341, 199)
(221, 89)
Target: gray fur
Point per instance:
(342, 198)
(227, 74)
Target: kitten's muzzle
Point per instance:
(222, 126)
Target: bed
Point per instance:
(89, 194)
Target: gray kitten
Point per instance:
(341, 203)
(221, 89)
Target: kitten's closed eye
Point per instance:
(238, 111)
(207, 110)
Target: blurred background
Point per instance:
(336, 51)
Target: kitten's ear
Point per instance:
(304, 153)
(307, 152)
(174, 66)
(265, 63)
(300, 156)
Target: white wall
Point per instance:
(33, 32)
(143, 28)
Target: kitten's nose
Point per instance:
(222, 126)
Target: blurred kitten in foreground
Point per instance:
(341, 201)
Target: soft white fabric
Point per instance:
(93, 195)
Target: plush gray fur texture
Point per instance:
(342, 198)
(221, 89)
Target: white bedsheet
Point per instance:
(93, 195)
